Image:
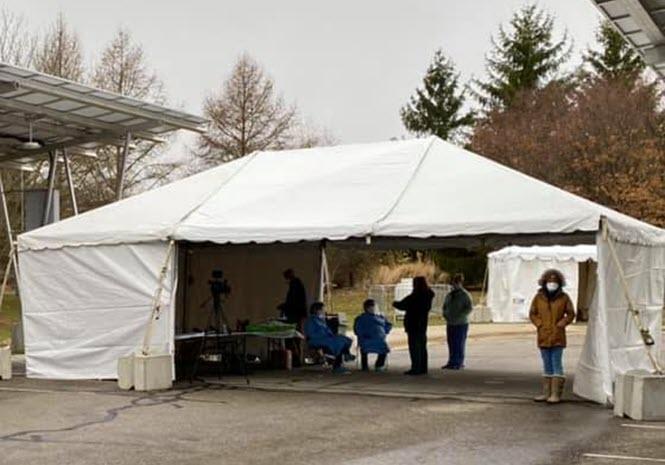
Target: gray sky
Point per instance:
(349, 65)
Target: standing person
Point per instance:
(320, 336)
(294, 311)
(416, 307)
(551, 311)
(456, 309)
(372, 329)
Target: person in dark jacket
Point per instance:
(294, 311)
(294, 307)
(456, 309)
(416, 307)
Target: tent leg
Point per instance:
(5, 277)
(10, 236)
(70, 182)
(122, 165)
(53, 165)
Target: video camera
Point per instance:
(219, 286)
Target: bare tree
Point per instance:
(246, 116)
(123, 69)
(59, 52)
(17, 43)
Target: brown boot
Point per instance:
(547, 390)
(557, 390)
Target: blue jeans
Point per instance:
(456, 338)
(552, 361)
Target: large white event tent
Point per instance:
(513, 274)
(88, 282)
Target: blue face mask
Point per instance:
(321, 315)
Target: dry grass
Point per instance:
(385, 274)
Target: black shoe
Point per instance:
(447, 366)
(410, 372)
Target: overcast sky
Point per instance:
(349, 65)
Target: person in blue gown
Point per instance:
(319, 335)
(372, 329)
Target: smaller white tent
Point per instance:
(513, 274)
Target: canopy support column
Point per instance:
(122, 165)
(11, 257)
(70, 182)
(52, 170)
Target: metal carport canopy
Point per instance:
(642, 23)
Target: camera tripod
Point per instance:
(214, 322)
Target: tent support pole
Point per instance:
(632, 308)
(10, 239)
(325, 274)
(122, 165)
(157, 300)
(52, 167)
(70, 182)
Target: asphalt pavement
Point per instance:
(481, 415)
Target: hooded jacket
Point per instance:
(551, 313)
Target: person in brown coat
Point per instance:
(551, 311)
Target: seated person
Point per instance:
(319, 335)
(371, 329)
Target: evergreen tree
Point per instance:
(524, 57)
(436, 108)
(616, 59)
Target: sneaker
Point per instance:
(349, 358)
(341, 371)
(380, 369)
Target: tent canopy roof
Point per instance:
(420, 188)
(577, 253)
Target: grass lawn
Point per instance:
(11, 312)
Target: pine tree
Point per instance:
(436, 108)
(524, 57)
(616, 59)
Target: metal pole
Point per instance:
(122, 163)
(53, 164)
(10, 235)
(70, 183)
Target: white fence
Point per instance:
(384, 295)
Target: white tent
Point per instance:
(88, 282)
(513, 274)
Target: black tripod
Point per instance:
(213, 327)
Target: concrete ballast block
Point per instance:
(5, 363)
(640, 395)
(126, 372)
(153, 372)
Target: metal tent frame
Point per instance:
(47, 118)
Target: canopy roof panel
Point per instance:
(642, 23)
(577, 253)
(65, 114)
(419, 189)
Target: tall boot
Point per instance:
(557, 389)
(547, 390)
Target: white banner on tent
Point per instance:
(614, 344)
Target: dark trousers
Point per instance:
(339, 359)
(456, 338)
(380, 360)
(418, 352)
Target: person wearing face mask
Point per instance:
(551, 311)
(320, 336)
(456, 309)
(371, 329)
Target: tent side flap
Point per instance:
(614, 344)
(84, 307)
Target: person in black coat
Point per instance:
(416, 307)
(294, 307)
(294, 311)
